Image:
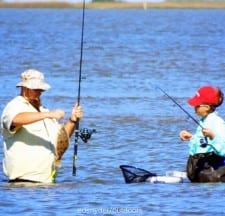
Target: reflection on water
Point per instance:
(127, 54)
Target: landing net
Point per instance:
(133, 174)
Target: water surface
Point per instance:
(127, 54)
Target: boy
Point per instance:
(207, 146)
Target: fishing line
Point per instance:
(79, 89)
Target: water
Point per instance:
(127, 54)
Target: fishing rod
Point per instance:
(189, 115)
(84, 134)
(81, 54)
(203, 143)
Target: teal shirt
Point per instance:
(217, 125)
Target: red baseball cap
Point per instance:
(205, 95)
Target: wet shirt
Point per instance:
(29, 150)
(217, 125)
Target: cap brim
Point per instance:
(194, 101)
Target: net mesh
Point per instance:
(133, 174)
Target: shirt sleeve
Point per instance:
(14, 107)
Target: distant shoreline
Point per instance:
(115, 5)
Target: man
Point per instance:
(34, 141)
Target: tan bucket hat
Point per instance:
(33, 79)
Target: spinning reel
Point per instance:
(85, 134)
(203, 142)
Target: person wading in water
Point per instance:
(34, 141)
(206, 162)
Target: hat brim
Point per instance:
(37, 85)
(194, 101)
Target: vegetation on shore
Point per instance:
(116, 5)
